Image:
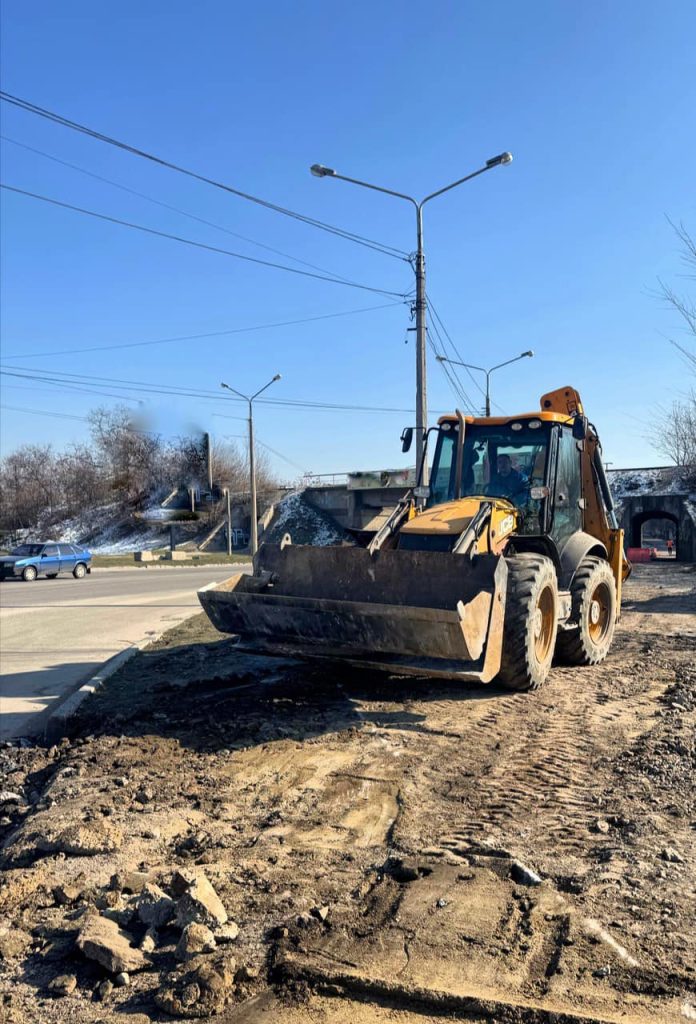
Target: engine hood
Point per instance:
(451, 517)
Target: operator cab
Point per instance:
(500, 460)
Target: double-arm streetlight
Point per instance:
(421, 395)
(252, 460)
(482, 369)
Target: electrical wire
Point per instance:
(456, 351)
(65, 122)
(197, 337)
(142, 387)
(198, 245)
(45, 412)
(168, 206)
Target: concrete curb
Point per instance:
(57, 725)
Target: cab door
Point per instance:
(567, 509)
(67, 558)
(50, 560)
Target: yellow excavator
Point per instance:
(512, 553)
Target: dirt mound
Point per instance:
(305, 523)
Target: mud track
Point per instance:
(391, 849)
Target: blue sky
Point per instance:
(559, 252)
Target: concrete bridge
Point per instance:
(662, 493)
(666, 494)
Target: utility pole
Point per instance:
(254, 531)
(229, 521)
(470, 366)
(319, 171)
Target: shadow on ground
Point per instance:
(208, 695)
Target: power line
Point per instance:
(45, 412)
(198, 245)
(197, 337)
(32, 108)
(166, 206)
(60, 377)
(459, 357)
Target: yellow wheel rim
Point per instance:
(544, 622)
(599, 613)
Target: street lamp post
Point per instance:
(252, 462)
(482, 369)
(319, 171)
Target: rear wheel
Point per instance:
(531, 622)
(79, 571)
(29, 574)
(593, 614)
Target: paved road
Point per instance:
(54, 634)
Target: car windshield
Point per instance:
(504, 461)
(27, 550)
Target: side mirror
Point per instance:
(406, 439)
(580, 428)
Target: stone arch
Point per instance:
(641, 518)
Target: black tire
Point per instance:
(531, 622)
(51, 575)
(29, 574)
(80, 570)
(592, 615)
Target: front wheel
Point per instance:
(29, 574)
(592, 616)
(531, 622)
(79, 571)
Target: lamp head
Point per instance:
(502, 158)
(319, 171)
(441, 359)
(277, 377)
(529, 352)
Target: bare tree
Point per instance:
(674, 433)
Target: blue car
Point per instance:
(49, 559)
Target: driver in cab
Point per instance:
(506, 482)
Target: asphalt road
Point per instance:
(55, 634)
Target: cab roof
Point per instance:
(496, 421)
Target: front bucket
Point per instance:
(423, 612)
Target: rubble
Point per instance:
(62, 985)
(83, 841)
(200, 992)
(200, 904)
(102, 940)
(154, 907)
(13, 942)
(195, 938)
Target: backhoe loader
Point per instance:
(512, 553)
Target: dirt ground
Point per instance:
(392, 850)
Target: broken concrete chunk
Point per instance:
(149, 941)
(67, 893)
(83, 841)
(200, 904)
(13, 942)
(130, 881)
(227, 932)
(154, 907)
(200, 992)
(62, 985)
(195, 938)
(524, 875)
(102, 940)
